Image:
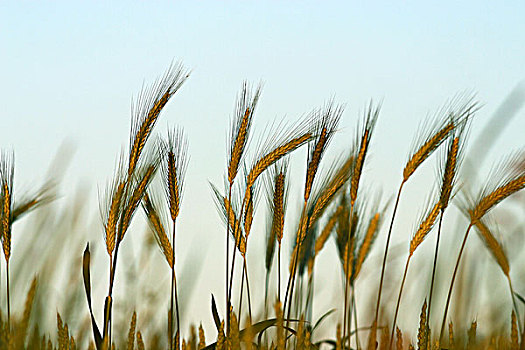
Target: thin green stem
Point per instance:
(383, 267)
(434, 266)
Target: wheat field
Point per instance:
(337, 215)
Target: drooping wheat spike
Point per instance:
(422, 334)
(424, 228)
(157, 225)
(399, 339)
(277, 153)
(326, 123)
(436, 131)
(426, 149)
(148, 107)
(514, 342)
(490, 200)
(140, 341)
(174, 164)
(368, 240)
(364, 136)
(493, 245)
(6, 181)
(131, 332)
(72, 344)
(240, 128)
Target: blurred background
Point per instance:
(69, 72)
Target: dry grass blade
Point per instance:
(7, 170)
(156, 223)
(175, 162)
(240, 128)
(148, 108)
(424, 228)
(370, 120)
(324, 129)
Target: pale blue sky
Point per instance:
(68, 71)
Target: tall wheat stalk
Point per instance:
(325, 127)
(364, 136)
(239, 137)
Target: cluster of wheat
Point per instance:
(333, 205)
